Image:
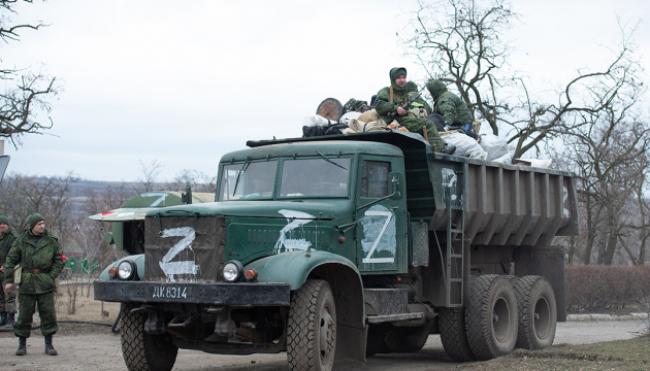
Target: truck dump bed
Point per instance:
(503, 205)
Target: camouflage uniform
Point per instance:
(40, 258)
(7, 301)
(453, 110)
(391, 97)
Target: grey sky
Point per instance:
(185, 82)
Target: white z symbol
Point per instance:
(182, 267)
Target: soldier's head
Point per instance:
(36, 224)
(4, 224)
(398, 76)
(436, 88)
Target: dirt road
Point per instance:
(100, 351)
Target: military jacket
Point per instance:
(453, 109)
(386, 106)
(6, 241)
(40, 258)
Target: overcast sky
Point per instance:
(184, 82)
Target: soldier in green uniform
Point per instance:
(391, 102)
(39, 254)
(7, 300)
(453, 110)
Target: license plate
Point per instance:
(170, 292)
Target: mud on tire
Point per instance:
(537, 312)
(311, 329)
(451, 323)
(143, 352)
(491, 317)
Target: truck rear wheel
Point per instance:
(491, 317)
(537, 312)
(143, 352)
(451, 322)
(311, 331)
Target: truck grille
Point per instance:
(184, 249)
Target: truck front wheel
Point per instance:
(537, 312)
(491, 317)
(311, 329)
(451, 323)
(141, 351)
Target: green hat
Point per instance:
(33, 219)
(436, 88)
(4, 219)
(395, 72)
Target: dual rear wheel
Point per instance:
(501, 313)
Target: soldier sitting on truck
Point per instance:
(401, 102)
(453, 110)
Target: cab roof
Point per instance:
(299, 147)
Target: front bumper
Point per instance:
(231, 294)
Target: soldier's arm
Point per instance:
(447, 110)
(384, 107)
(425, 104)
(13, 257)
(57, 261)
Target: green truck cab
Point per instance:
(335, 248)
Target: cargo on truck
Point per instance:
(335, 248)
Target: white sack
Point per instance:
(505, 159)
(466, 146)
(348, 117)
(495, 146)
(316, 120)
(543, 163)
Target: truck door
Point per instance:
(382, 240)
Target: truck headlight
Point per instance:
(232, 271)
(126, 270)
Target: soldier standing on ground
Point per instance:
(453, 110)
(39, 254)
(7, 300)
(392, 102)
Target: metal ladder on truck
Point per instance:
(455, 241)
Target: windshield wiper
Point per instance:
(330, 161)
(243, 170)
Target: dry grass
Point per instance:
(85, 308)
(612, 355)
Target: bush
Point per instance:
(607, 288)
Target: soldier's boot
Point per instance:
(49, 348)
(3, 318)
(22, 346)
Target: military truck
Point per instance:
(339, 247)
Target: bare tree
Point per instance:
(24, 109)
(199, 181)
(150, 172)
(609, 151)
(461, 43)
(22, 195)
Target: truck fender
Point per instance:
(295, 268)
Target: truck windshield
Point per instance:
(248, 181)
(321, 177)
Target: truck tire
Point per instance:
(537, 312)
(491, 317)
(311, 331)
(451, 322)
(407, 339)
(143, 352)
